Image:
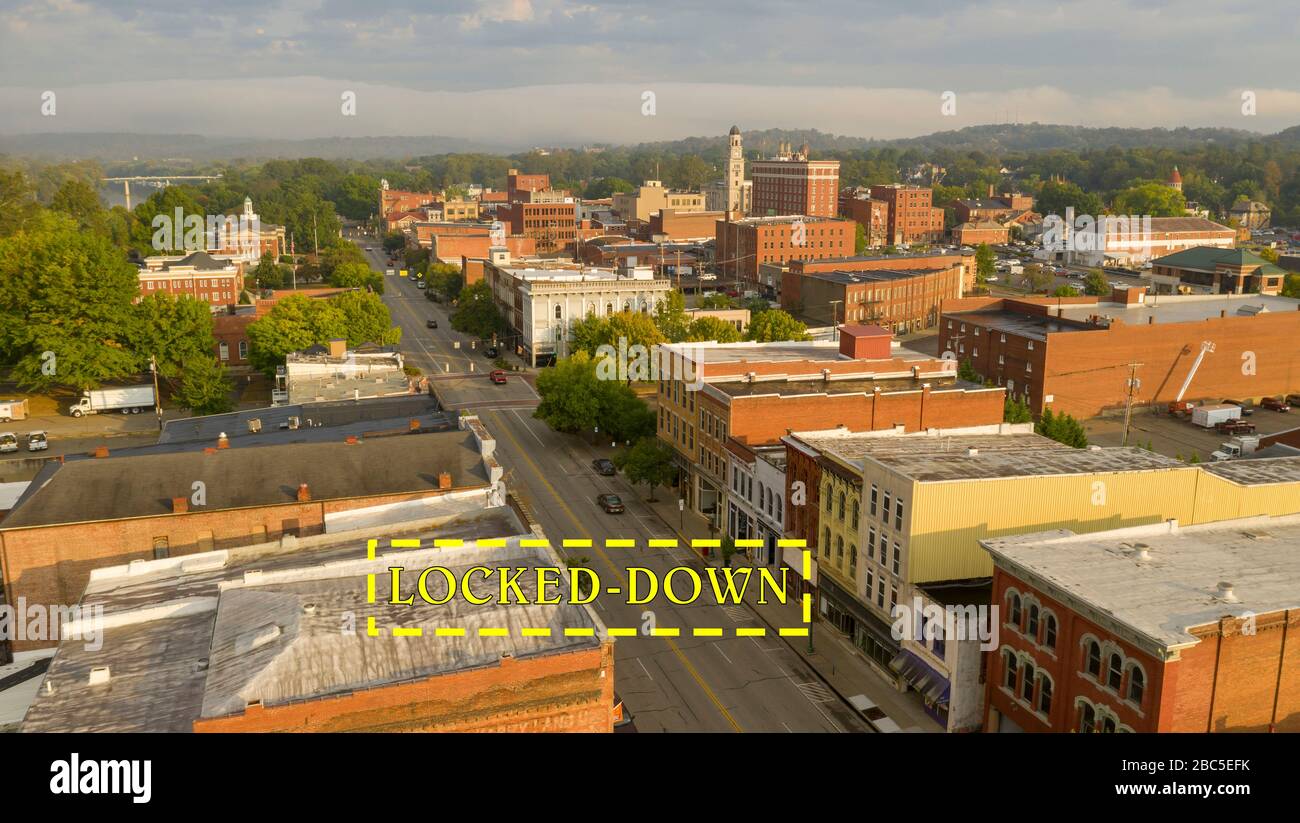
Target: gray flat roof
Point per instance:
(1183, 308)
(787, 388)
(177, 633)
(1258, 472)
(144, 485)
(1175, 587)
(336, 419)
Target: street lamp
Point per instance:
(157, 401)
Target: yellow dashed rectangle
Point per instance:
(807, 566)
(493, 632)
(706, 544)
(807, 608)
(370, 588)
(447, 631)
(801, 632)
(750, 632)
(415, 632)
(623, 632)
(580, 632)
(371, 545)
(663, 543)
(616, 543)
(791, 543)
(492, 543)
(749, 544)
(448, 543)
(371, 628)
(577, 543)
(536, 632)
(534, 543)
(707, 632)
(406, 543)
(657, 632)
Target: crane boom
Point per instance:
(1206, 347)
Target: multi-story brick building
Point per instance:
(394, 200)
(82, 514)
(281, 639)
(710, 392)
(992, 208)
(551, 226)
(743, 246)
(791, 184)
(671, 225)
(1077, 354)
(196, 275)
(450, 242)
(1157, 628)
(893, 262)
(975, 232)
(913, 217)
(520, 187)
(871, 214)
(903, 300)
(652, 197)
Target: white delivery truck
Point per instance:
(13, 410)
(1207, 417)
(127, 399)
(1237, 447)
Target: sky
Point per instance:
(554, 72)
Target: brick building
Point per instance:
(671, 224)
(1076, 354)
(1211, 270)
(249, 640)
(449, 242)
(394, 200)
(1148, 629)
(743, 246)
(651, 197)
(974, 232)
(913, 217)
(709, 392)
(551, 226)
(87, 513)
(890, 262)
(521, 187)
(992, 208)
(872, 215)
(196, 275)
(902, 300)
(791, 184)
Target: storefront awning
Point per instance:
(923, 678)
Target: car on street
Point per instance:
(1278, 404)
(431, 324)
(1246, 409)
(370, 248)
(37, 441)
(611, 503)
(419, 284)
(497, 376)
(491, 352)
(8, 442)
(604, 466)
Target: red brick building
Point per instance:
(1076, 354)
(196, 275)
(671, 224)
(742, 246)
(1147, 629)
(394, 200)
(992, 208)
(913, 217)
(791, 184)
(520, 187)
(448, 242)
(903, 300)
(982, 231)
(892, 262)
(872, 215)
(551, 226)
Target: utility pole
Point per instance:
(1133, 385)
(157, 401)
(835, 334)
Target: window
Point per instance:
(160, 551)
(1032, 627)
(1115, 674)
(1027, 684)
(1015, 609)
(898, 553)
(841, 507)
(853, 560)
(826, 492)
(1094, 659)
(1044, 694)
(1049, 631)
(826, 542)
(839, 549)
(884, 510)
(223, 351)
(1136, 685)
(1009, 665)
(898, 514)
(243, 349)
(871, 544)
(856, 507)
(557, 313)
(1108, 725)
(874, 493)
(1087, 719)
(880, 593)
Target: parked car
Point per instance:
(1246, 408)
(491, 352)
(603, 466)
(431, 324)
(1276, 404)
(37, 442)
(8, 442)
(497, 376)
(1237, 426)
(611, 503)
(1293, 399)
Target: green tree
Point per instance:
(671, 318)
(1095, 283)
(859, 239)
(966, 371)
(79, 200)
(648, 461)
(65, 306)
(394, 241)
(605, 186)
(1055, 197)
(18, 205)
(1291, 286)
(295, 323)
(1035, 278)
(622, 415)
(775, 324)
(716, 301)
(589, 334)
(357, 276)
(1270, 255)
(1155, 199)
(172, 329)
(1065, 291)
(638, 329)
(205, 388)
(985, 263)
(1062, 428)
(366, 319)
(476, 313)
(1016, 410)
(712, 328)
(268, 274)
(570, 395)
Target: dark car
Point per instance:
(1234, 427)
(1246, 408)
(431, 324)
(611, 503)
(491, 352)
(603, 466)
(1276, 404)
(497, 376)
(1293, 399)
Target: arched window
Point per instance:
(826, 542)
(1049, 631)
(1136, 685)
(841, 507)
(1087, 718)
(1115, 672)
(1015, 609)
(839, 548)
(609, 308)
(1045, 694)
(853, 559)
(1027, 684)
(1094, 659)
(558, 313)
(1032, 628)
(856, 510)
(830, 498)
(1009, 664)
(1108, 725)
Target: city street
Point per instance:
(683, 683)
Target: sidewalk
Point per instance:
(835, 659)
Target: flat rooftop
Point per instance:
(939, 458)
(114, 488)
(192, 637)
(871, 275)
(1258, 472)
(816, 385)
(1182, 308)
(712, 352)
(328, 420)
(1173, 588)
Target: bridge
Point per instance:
(156, 180)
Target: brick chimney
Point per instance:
(180, 505)
(866, 342)
(304, 493)
(444, 480)
(101, 451)
(223, 442)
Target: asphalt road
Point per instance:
(683, 683)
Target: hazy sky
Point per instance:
(551, 71)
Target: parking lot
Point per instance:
(1178, 437)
